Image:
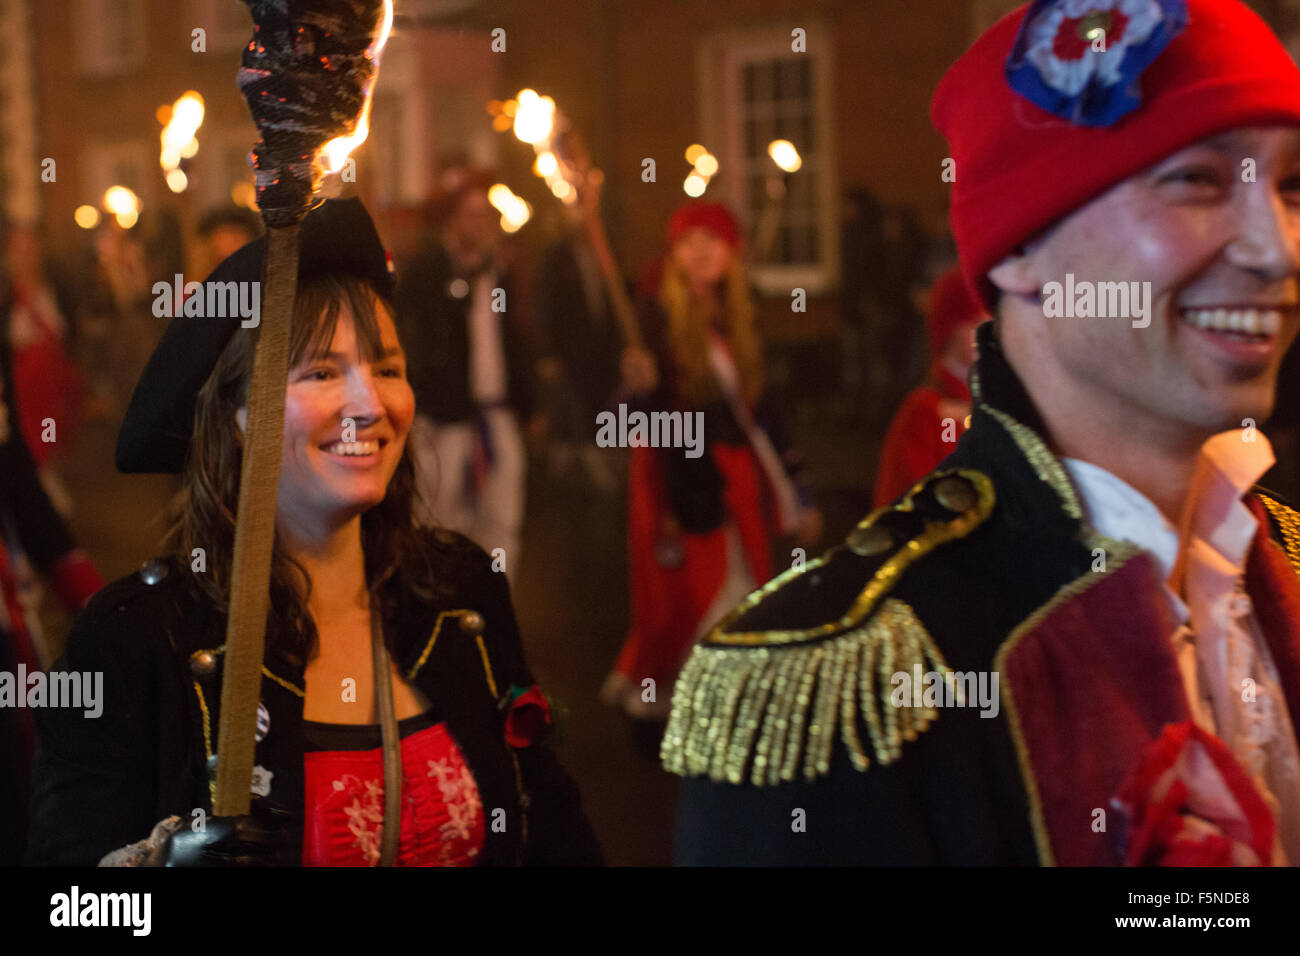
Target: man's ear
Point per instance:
(1016, 274)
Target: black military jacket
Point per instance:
(784, 725)
(103, 783)
(433, 325)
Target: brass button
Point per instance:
(955, 494)
(472, 623)
(153, 571)
(203, 664)
(871, 541)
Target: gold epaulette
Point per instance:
(755, 699)
(1288, 522)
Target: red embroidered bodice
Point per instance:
(442, 815)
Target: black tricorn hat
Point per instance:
(337, 236)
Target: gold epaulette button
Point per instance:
(870, 541)
(956, 493)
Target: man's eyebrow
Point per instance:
(1225, 142)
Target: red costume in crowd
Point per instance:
(700, 529)
(921, 436)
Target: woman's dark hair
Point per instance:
(203, 513)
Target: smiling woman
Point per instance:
(346, 380)
(360, 599)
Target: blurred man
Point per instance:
(471, 369)
(583, 345)
(1079, 641)
(222, 231)
(925, 429)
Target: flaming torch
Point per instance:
(563, 162)
(308, 75)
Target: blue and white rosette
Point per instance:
(1082, 59)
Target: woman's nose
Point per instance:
(362, 399)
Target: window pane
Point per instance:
(791, 72)
(762, 81)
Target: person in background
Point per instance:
(472, 370)
(582, 347)
(34, 535)
(926, 427)
(700, 529)
(48, 388)
(116, 327)
(222, 231)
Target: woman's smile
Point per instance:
(357, 453)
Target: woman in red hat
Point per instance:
(927, 425)
(700, 520)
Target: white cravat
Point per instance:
(1218, 642)
(487, 360)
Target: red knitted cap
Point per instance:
(713, 216)
(1030, 147)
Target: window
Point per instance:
(755, 89)
(110, 36)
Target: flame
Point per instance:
(119, 200)
(87, 217)
(534, 117)
(784, 155)
(334, 154)
(546, 165)
(123, 204)
(515, 211)
(181, 121)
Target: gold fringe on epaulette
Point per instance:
(765, 708)
(1289, 522)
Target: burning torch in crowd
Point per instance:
(308, 75)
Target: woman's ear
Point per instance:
(241, 419)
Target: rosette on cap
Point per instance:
(1082, 59)
(307, 74)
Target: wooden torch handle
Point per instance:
(241, 687)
